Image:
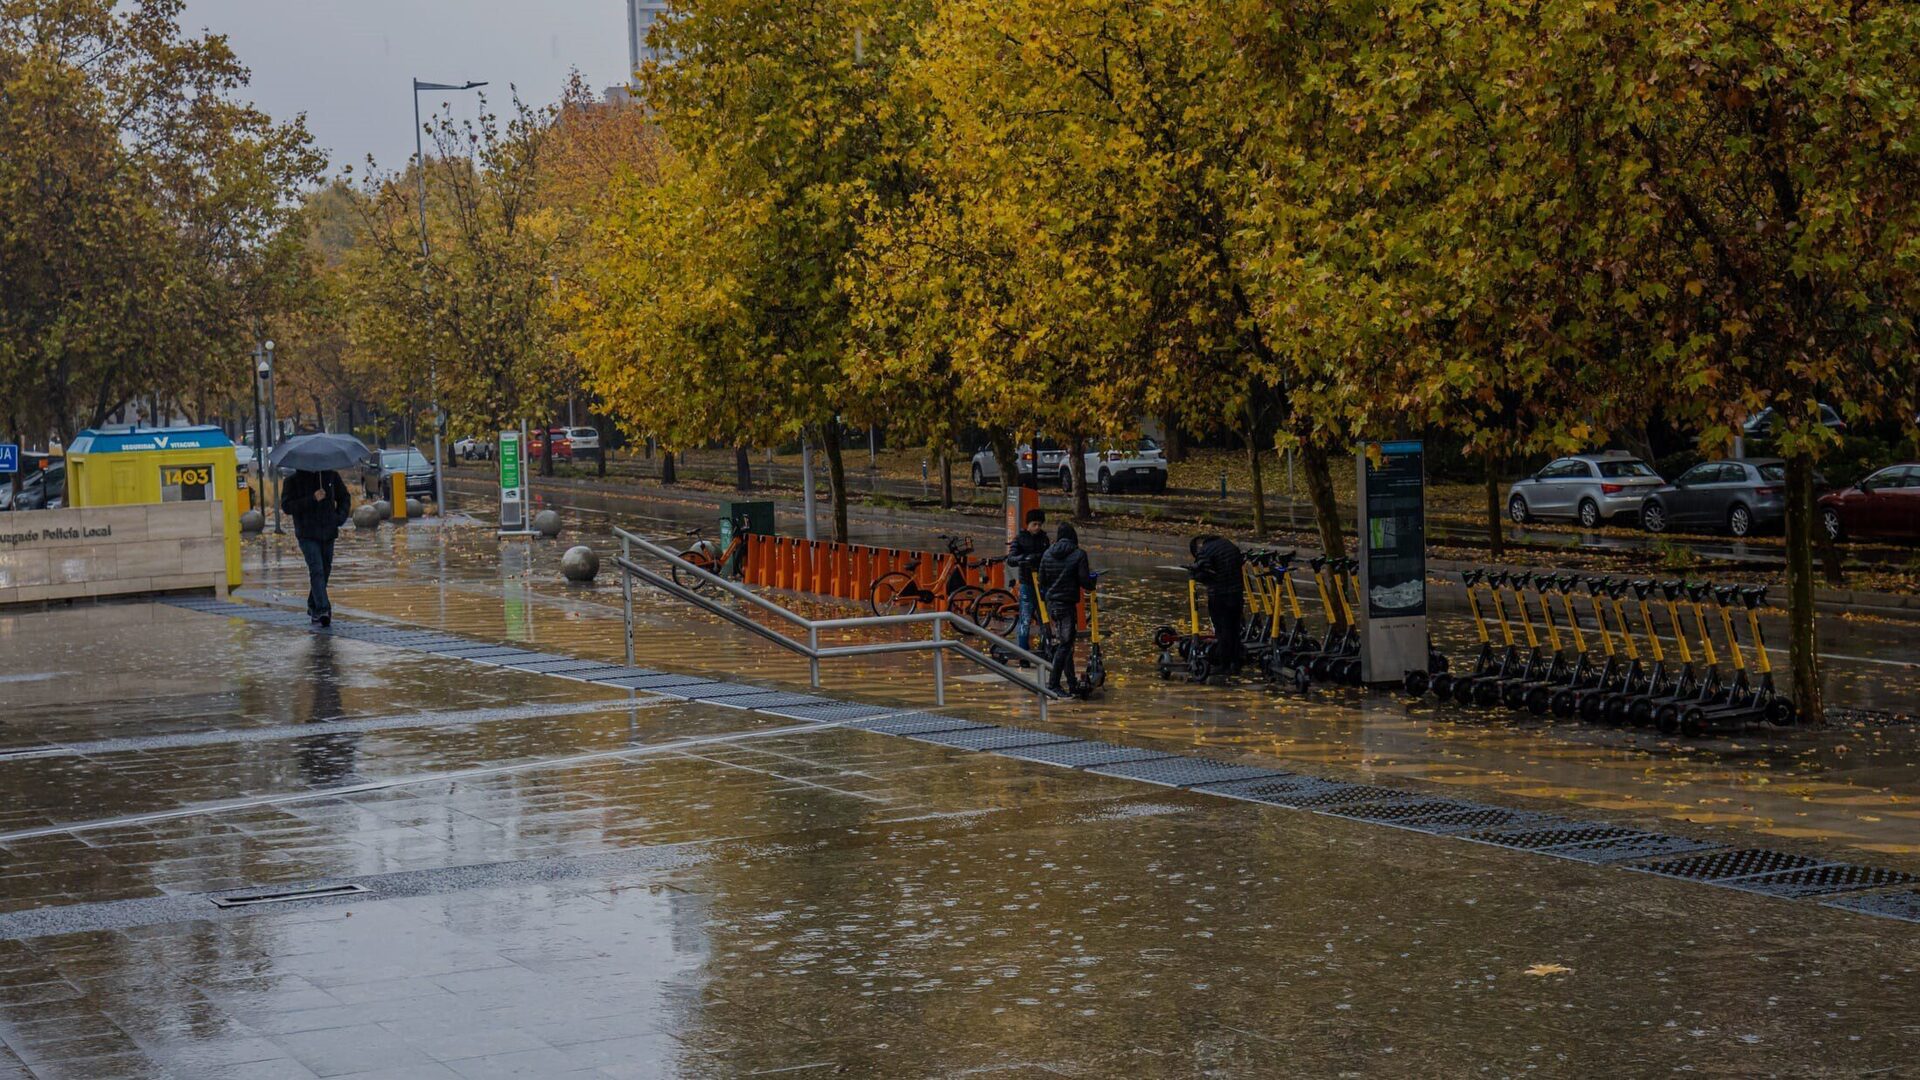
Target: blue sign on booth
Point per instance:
(9, 458)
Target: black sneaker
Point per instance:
(326, 620)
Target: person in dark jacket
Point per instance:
(1023, 562)
(1217, 565)
(1064, 572)
(318, 503)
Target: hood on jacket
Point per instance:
(1065, 534)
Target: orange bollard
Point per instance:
(844, 572)
(778, 562)
(862, 562)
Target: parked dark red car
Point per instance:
(562, 444)
(1885, 505)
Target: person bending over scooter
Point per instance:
(1064, 572)
(1216, 565)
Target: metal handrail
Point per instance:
(939, 644)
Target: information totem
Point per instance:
(514, 497)
(1393, 560)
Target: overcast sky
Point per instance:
(347, 64)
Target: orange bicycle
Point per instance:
(899, 592)
(729, 562)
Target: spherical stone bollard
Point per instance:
(366, 516)
(383, 508)
(252, 521)
(580, 563)
(413, 508)
(547, 523)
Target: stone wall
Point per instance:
(89, 552)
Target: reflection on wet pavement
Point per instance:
(559, 884)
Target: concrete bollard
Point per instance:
(580, 564)
(413, 509)
(366, 516)
(252, 522)
(547, 523)
(384, 509)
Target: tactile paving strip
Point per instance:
(1900, 905)
(914, 724)
(1539, 839)
(1081, 753)
(998, 738)
(1720, 866)
(1405, 812)
(1820, 880)
(1338, 794)
(1482, 819)
(1183, 772)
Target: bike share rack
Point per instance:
(939, 644)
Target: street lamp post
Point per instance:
(260, 451)
(433, 361)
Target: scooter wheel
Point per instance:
(1539, 700)
(1781, 711)
(1465, 691)
(1593, 708)
(1667, 719)
(1693, 723)
(1437, 662)
(1300, 682)
(1513, 695)
(1487, 695)
(1562, 703)
(1640, 713)
(1614, 713)
(1441, 685)
(1416, 683)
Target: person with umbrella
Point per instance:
(318, 502)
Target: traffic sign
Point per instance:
(9, 457)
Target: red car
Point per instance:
(562, 445)
(1886, 504)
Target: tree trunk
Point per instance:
(1172, 443)
(836, 479)
(742, 469)
(546, 452)
(1326, 512)
(667, 474)
(1259, 486)
(1004, 453)
(1496, 524)
(600, 428)
(946, 480)
(1077, 468)
(1803, 646)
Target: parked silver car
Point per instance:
(1589, 488)
(1042, 460)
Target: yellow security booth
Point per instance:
(137, 466)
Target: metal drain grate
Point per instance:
(1539, 839)
(1337, 794)
(1081, 753)
(832, 712)
(1721, 866)
(716, 691)
(991, 738)
(918, 723)
(1398, 813)
(1183, 772)
(1284, 790)
(1638, 846)
(1900, 905)
(654, 682)
(1820, 880)
(287, 896)
(774, 699)
(1473, 818)
(563, 665)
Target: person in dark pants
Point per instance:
(1216, 565)
(318, 503)
(1023, 562)
(1064, 572)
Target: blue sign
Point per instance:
(9, 457)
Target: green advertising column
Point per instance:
(513, 484)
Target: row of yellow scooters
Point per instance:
(1552, 666)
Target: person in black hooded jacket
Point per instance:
(1064, 572)
(1023, 562)
(319, 504)
(1217, 563)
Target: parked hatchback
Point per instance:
(1886, 504)
(585, 442)
(1589, 488)
(1741, 497)
(376, 475)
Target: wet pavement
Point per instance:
(568, 878)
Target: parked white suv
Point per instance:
(586, 442)
(1113, 468)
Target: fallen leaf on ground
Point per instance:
(1549, 969)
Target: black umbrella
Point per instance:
(315, 453)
